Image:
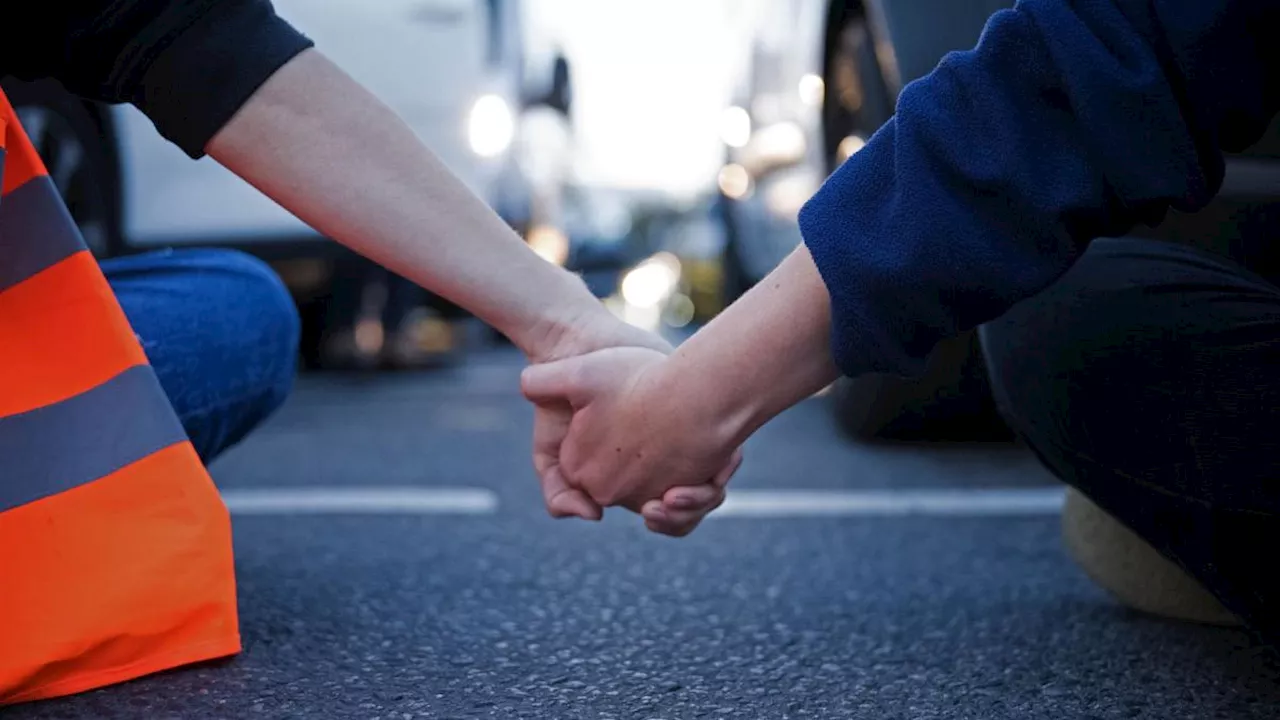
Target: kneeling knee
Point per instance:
(264, 322)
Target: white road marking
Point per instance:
(361, 501)
(958, 502)
(885, 503)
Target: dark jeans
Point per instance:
(221, 331)
(1148, 377)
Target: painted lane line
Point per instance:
(363, 501)
(888, 503)
(740, 503)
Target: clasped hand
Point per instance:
(610, 431)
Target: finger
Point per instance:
(691, 497)
(682, 516)
(564, 501)
(550, 428)
(553, 382)
(669, 527)
(695, 497)
(657, 520)
(676, 523)
(724, 476)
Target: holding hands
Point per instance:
(608, 431)
(618, 421)
(623, 419)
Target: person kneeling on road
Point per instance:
(1143, 374)
(118, 553)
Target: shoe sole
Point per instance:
(1131, 570)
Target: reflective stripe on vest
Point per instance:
(115, 548)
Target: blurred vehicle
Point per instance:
(454, 70)
(598, 223)
(812, 89)
(662, 291)
(820, 77)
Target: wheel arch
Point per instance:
(102, 117)
(838, 14)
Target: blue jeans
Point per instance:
(221, 331)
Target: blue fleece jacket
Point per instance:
(1070, 120)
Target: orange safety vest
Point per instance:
(115, 547)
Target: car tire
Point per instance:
(857, 98)
(950, 402)
(78, 148)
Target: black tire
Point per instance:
(951, 402)
(77, 145)
(857, 98)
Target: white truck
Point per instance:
(461, 73)
(453, 69)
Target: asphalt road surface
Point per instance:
(395, 563)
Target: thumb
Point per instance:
(565, 501)
(554, 382)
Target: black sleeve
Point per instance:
(189, 65)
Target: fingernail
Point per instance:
(684, 502)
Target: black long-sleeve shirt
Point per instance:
(188, 65)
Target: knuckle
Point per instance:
(554, 508)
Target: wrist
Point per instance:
(560, 323)
(736, 390)
(763, 354)
(577, 327)
(709, 401)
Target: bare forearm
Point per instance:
(328, 151)
(763, 354)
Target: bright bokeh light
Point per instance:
(681, 310)
(812, 89)
(849, 146)
(734, 181)
(787, 195)
(369, 336)
(652, 282)
(781, 143)
(549, 243)
(491, 127)
(735, 127)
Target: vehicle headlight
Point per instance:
(491, 127)
(549, 243)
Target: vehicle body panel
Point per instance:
(784, 155)
(428, 60)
